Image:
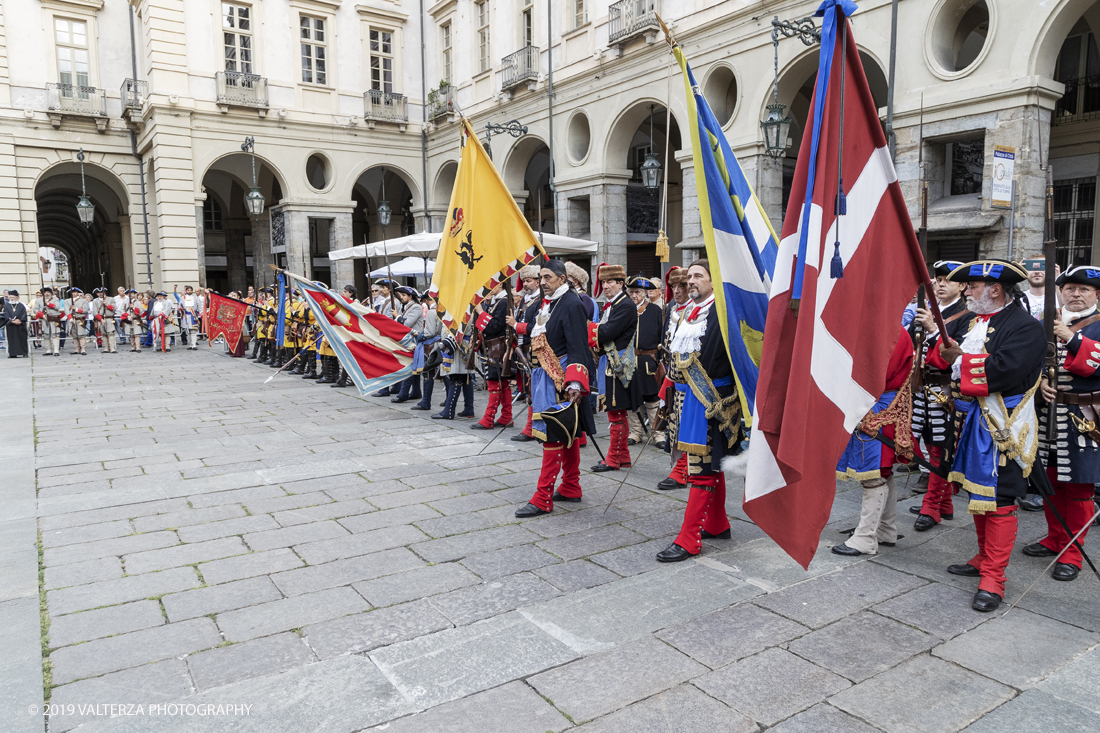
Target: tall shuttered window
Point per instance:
(381, 60)
(314, 56)
(71, 39)
(484, 63)
(237, 37)
(445, 31)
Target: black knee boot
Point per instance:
(280, 358)
(300, 364)
(343, 380)
(325, 370)
(426, 402)
(311, 367)
(468, 398)
(255, 349)
(448, 411)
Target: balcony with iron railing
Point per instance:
(133, 93)
(236, 89)
(76, 100)
(72, 99)
(442, 102)
(1081, 101)
(630, 18)
(519, 67)
(381, 106)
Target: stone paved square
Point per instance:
(262, 556)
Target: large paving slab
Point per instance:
(457, 662)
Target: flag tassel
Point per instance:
(836, 265)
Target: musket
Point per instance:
(922, 240)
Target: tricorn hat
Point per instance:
(563, 422)
(990, 271)
(640, 282)
(1082, 275)
(943, 268)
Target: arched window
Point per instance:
(211, 215)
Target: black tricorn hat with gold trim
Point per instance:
(990, 271)
(563, 422)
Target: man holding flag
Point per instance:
(715, 342)
(703, 375)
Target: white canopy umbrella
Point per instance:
(426, 244)
(407, 267)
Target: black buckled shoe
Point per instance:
(559, 497)
(478, 426)
(924, 523)
(843, 549)
(521, 438)
(421, 407)
(720, 536)
(892, 544)
(673, 553)
(1038, 550)
(985, 601)
(668, 484)
(1065, 571)
(530, 511)
(1031, 503)
(915, 509)
(964, 569)
(602, 467)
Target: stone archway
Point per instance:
(235, 248)
(95, 255)
(643, 128)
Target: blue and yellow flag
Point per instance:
(741, 244)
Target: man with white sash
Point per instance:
(559, 388)
(995, 375)
(703, 378)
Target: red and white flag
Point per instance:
(824, 359)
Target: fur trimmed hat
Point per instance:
(675, 276)
(578, 273)
(529, 271)
(605, 272)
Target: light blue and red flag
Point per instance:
(374, 350)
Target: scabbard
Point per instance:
(942, 471)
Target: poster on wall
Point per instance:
(1004, 162)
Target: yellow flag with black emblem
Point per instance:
(485, 239)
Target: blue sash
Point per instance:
(693, 432)
(418, 353)
(544, 395)
(977, 457)
(862, 457)
(602, 371)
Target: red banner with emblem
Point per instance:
(225, 317)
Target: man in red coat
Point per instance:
(870, 462)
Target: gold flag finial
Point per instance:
(668, 33)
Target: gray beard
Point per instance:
(981, 305)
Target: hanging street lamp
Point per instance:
(85, 209)
(651, 167)
(253, 200)
(777, 127)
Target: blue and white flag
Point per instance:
(741, 244)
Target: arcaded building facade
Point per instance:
(351, 103)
